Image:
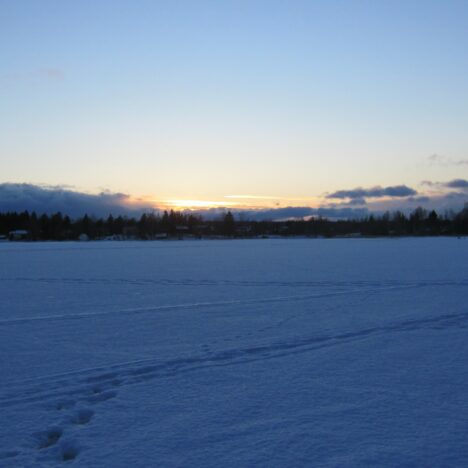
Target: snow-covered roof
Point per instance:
(19, 232)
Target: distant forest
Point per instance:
(173, 224)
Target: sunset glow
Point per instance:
(194, 204)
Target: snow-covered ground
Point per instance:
(249, 353)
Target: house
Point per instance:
(244, 230)
(203, 229)
(181, 230)
(130, 232)
(353, 235)
(18, 235)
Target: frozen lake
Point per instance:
(234, 353)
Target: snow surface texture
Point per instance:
(251, 353)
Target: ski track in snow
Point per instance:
(87, 381)
(237, 283)
(265, 300)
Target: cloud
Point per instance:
(457, 183)
(397, 191)
(451, 184)
(51, 199)
(46, 73)
(290, 212)
(342, 213)
(419, 199)
(441, 160)
(286, 213)
(300, 212)
(52, 73)
(441, 196)
(353, 202)
(439, 201)
(429, 183)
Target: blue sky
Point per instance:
(283, 102)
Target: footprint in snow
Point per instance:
(103, 396)
(8, 454)
(82, 416)
(48, 438)
(65, 404)
(116, 383)
(69, 450)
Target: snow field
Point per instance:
(234, 353)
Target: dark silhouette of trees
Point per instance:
(461, 221)
(58, 226)
(229, 225)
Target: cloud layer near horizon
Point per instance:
(354, 203)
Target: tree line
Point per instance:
(173, 224)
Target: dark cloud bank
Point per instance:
(457, 183)
(20, 197)
(452, 184)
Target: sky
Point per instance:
(235, 104)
